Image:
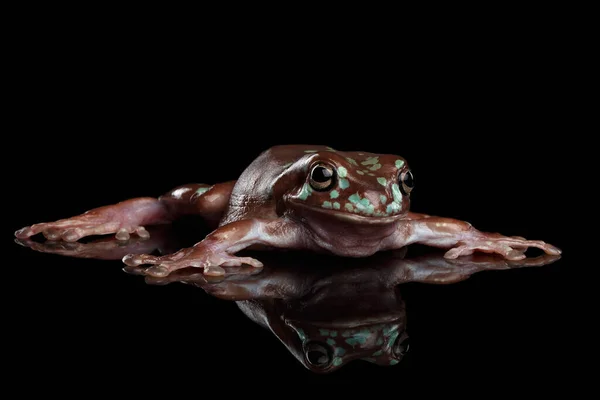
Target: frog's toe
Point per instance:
(133, 260)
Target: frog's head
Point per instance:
(351, 186)
(324, 350)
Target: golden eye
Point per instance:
(407, 182)
(322, 177)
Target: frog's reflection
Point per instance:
(327, 311)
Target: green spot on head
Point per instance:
(371, 174)
(378, 353)
(337, 361)
(305, 192)
(352, 161)
(360, 172)
(330, 149)
(393, 207)
(333, 333)
(287, 165)
(324, 332)
(382, 181)
(310, 151)
(339, 351)
(202, 190)
(301, 334)
(348, 206)
(399, 163)
(379, 342)
(383, 199)
(394, 362)
(344, 184)
(396, 192)
(334, 194)
(330, 341)
(327, 204)
(347, 333)
(370, 161)
(342, 172)
(336, 205)
(355, 198)
(354, 340)
(375, 167)
(365, 171)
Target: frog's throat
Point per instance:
(345, 216)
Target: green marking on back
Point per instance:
(344, 184)
(342, 172)
(378, 353)
(399, 163)
(370, 161)
(382, 181)
(310, 151)
(305, 192)
(324, 332)
(330, 149)
(202, 190)
(375, 167)
(360, 172)
(394, 362)
(337, 361)
(330, 341)
(352, 161)
(334, 194)
(287, 165)
(383, 199)
(327, 204)
(349, 207)
(336, 205)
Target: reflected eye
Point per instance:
(322, 177)
(407, 182)
(317, 354)
(401, 346)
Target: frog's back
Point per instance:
(252, 195)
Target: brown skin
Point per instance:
(351, 204)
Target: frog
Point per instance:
(314, 198)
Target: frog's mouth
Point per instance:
(349, 216)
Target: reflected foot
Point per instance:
(105, 248)
(197, 257)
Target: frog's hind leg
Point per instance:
(131, 216)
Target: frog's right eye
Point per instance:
(318, 354)
(322, 177)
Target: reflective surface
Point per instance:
(326, 311)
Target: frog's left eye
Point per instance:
(406, 181)
(318, 354)
(322, 177)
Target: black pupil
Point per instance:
(408, 179)
(402, 346)
(317, 357)
(321, 174)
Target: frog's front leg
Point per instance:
(218, 249)
(461, 238)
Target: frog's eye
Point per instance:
(322, 177)
(401, 346)
(406, 181)
(318, 354)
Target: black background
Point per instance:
(486, 127)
